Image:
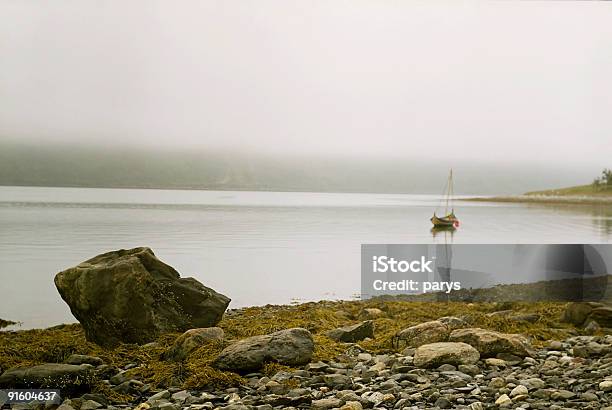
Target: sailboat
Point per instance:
(449, 220)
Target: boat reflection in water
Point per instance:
(445, 256)
(443, 230)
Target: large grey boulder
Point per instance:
(131, 296)
(292, 347)
(436, 354)
(490, 343)
(67, 377)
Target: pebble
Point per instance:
(497, 383)
(328, 403)
(503, 400)
(519, 391)
(352, 405)
(606, 385)
(495, 362)
(563, 395)
(533, 383)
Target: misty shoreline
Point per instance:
(589, 288)
(86, 166)
(542, 199)
(527, 199)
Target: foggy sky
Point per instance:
(496, 80)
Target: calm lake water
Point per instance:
(255, 247)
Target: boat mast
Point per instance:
(452, 191)
(449, 191)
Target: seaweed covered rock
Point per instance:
(428, 332)
(436, 354)
(353, 333)
(602, 316)
(371, 313)
(131, 296)
(67, 377)
(191, 340)
(489, 343)
(577, 313)
(79, 359)
(292, 347)
(454, 322)
(588, 314)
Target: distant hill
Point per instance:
(129, 167)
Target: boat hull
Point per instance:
(447, 221)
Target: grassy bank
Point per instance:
(577, 195)
(29, 347)
(576, 191)
(550, 200)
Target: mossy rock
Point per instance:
(68, 378)
(130, 296)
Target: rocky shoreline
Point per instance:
(151, 340)
(408, 356)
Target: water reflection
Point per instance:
(444, 232)
(600, 214)
(602, 217)
(256, 247)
